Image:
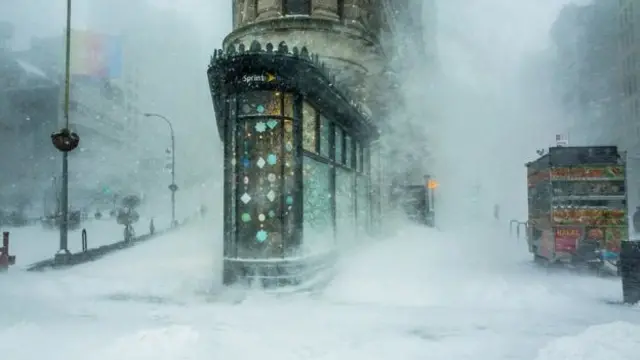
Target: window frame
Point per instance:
(358, 171)
(287, 4)
(289, 235)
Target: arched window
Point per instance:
(296, 7)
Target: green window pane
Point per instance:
(325, 137)
(345, 204)
(317, 207)
(348, 152)
(339, 144)
(309, 140)
(364, 207)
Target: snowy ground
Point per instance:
(31, 244)
(419, 295)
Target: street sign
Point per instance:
(562, 140)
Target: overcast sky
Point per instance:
(47, 17)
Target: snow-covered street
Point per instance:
(421, 294)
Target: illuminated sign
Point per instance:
(567, 238)
(568, 233)
(589, 172)
(267, 77)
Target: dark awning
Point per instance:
(240, 70)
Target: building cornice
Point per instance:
(303, 23)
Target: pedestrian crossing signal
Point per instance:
(432, 184)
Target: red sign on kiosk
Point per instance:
(567, 238)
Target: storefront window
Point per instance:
(345, 204)
(317, 210)
(259, 207)
(364, 208)
(325, 137)
(289, 185)
(309, 127)
(348, 151)
(260, 103)
(288, 105)
(266, 217)
(339, 144)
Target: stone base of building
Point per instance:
(274, 273)
(630, 271)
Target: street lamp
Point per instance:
(65, 140)
(173, 187)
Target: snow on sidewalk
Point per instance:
(35, 243)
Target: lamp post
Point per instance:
(65, 140)
(173, 187)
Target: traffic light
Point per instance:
(432, 184)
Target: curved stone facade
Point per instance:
(344, 33)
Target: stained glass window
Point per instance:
(317, 209)
(309, 139)
(258, 189)
(325, 137)
(338, 144)
(345, 204)
(289, 186)
(232, 176)
(348, 150)
(363, 205)
(260, 103)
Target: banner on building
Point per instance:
(96, 55)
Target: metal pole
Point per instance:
(173, 176)
(173, 186)
(64, 230)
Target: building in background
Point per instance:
(28, 97)
(628, 41)
(587, 74)
(409, 43)
(103, 110)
